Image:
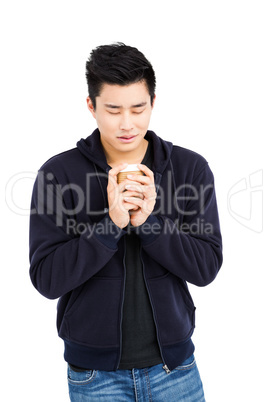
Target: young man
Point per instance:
(119, 256)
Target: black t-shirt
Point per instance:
(139, 340)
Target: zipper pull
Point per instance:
(165, 367)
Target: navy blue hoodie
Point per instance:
(77, 253)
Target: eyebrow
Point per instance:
(112, 106)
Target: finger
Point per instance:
(135, 187)
(133, 194)
(114, 171)
(134, 210)
(140, 179)
(146, 171)
(148, 191)
(123, 186)
(129, 206)
(112, 178)
(143, 204)
(134, 200)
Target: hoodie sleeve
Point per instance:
(190, 249)
(60, 262)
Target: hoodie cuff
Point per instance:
(149, 230)
(108, 233)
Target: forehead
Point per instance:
(124, 95)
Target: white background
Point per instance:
(210, 59)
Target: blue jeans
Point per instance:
(147, 384)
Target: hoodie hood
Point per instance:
(91, 147)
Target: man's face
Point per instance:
(123, 115)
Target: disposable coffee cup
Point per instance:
(130, 169)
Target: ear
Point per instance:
(91, 107)
(153, 102)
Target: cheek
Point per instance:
(144, 120)
(106, 123)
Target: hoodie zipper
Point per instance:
(122, 305)
(165, 367)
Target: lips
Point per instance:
(127, 138)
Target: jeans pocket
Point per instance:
(80, 377)
(188, 364)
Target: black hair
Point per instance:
(117, 64)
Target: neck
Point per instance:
(135, 157)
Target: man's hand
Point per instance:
(146, 203)
(118, 207)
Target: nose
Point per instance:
(126, 123)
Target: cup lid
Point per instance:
(130, 168)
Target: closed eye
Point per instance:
(112, 112)
(138, 112)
